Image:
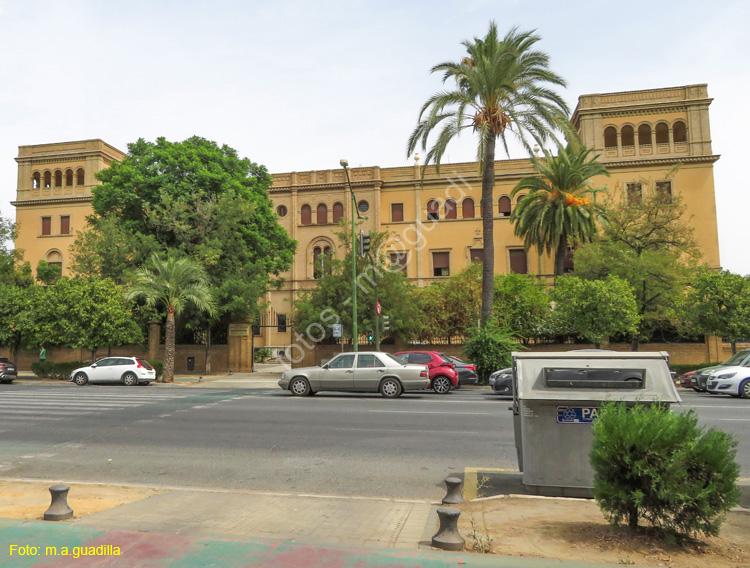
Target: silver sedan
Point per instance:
(365, 371)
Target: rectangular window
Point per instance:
(256, 329)
(476, 255)
(518, 263)
(635, 192)
(46, 226)
(397, 211)
(398, 258)
(441, 264)
(65, 225)
(281, 322)
(664, 190)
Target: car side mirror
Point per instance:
(325, 366)
(94, 365)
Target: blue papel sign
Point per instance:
(576, 414)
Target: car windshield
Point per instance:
(398, 359)
(736, 359)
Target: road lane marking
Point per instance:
(431, 412)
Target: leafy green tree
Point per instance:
(330, 301)
(16, 317)
(47, 273)
(489, 347)
(172, 282)
(521, 306)
(450, 307)
(660, 466)
(195, 197)
(502, 86)
(13, 270)
(719, 304)
(555, 215)
(90, 313)
(649, 244)
(596, 309)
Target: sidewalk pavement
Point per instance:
(189, 527)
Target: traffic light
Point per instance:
(364, 243)
(386, 323)
(369, 336)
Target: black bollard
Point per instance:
(455, 491)
(58, 510)
(448, 537)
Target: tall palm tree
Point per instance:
(173, 282)
(555, 214)
(502, 86)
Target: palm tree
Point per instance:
(173, 282)
(502, 86)
(554, 214)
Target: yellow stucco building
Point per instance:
(435, 221)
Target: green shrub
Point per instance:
(489, 348)
(262, 353)
(158, 367)
(54, 369)
(657, 465)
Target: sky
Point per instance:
(297, 85)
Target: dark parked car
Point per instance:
(467, 372)
(8, 371)
(443, 375)
(700, 378)
(502, 381)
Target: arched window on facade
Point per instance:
(520, 197)
(628, 135)
(644, 135)
(610, 137)
(450, 209)
(47, 179)
(338, 212)
(679, 131)
(433, 210)
(327, 254)
(58, 178)
(467, 208)
(662, 133)
(322, 214)
(305, 215)
(80, 176)
(54, 257)
(503, 206)
(317, 270)
(68, 177)
(36, 180)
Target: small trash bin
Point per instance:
(556, 398)
(191, 363)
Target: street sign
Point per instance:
(336, 328)
(576, 414)
(378, 308)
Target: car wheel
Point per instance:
(441, 385)
(745, 389)
(300, 387)
(80, 379)
(390, 388)
(129, 380)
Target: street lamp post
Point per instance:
(355, 346)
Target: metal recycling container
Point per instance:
(556, 398)
(191, 363)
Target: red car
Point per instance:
(443, 374)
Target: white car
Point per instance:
(734, 381)
(129, 371)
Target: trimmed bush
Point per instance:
(158, 367)
(261, 353)
(489, 348)
(657, 465)
(55, 370)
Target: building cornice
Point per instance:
(51, 201)
(663, 161)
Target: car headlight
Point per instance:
(726, 376)
(283, 375)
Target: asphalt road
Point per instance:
(267, 440)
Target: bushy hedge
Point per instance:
(489, 348)
(158, 367)
(54, 369)
(657, 465)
